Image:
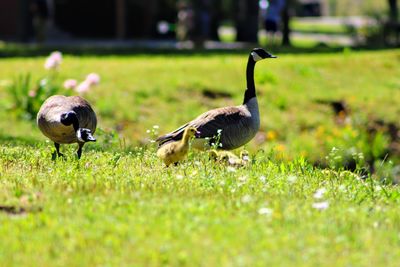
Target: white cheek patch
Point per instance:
(79, 136)
(255, 56)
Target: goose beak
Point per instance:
(90, 138)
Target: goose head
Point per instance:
(213, 154)
(260, 54)
(68, 118)
(85, 135)
(191, 132)
(244, 155)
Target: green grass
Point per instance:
(313, 27)
(118, 205)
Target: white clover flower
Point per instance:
(53, 61)
(83, 87)
(70, 84)
(263, 179)
(156, 126)
(319, 193)
(321, 205)
(93, 79)
(179, 177)
(265, 211)
(219, 131)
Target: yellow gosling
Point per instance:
(229, 158)
(244, 157)
(173, 152)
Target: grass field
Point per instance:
(119, 206)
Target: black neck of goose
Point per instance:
(251, 89)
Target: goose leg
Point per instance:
(57, 146)
(79, 152)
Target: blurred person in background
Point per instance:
(185, 25)
(272, 18)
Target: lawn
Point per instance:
(119, 206)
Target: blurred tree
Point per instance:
(393, 11)
(207, 17)
(216, 17)
(246, 20)
(286, 14)
(141, 18)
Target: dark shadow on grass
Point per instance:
(15, 210)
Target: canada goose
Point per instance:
(231, 126)
(66, 120)
(174, 152)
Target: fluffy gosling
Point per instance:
(229, 158)
(173, 152)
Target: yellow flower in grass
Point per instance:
(271, 135)
(320, 131)
(280, 148)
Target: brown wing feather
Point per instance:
(207, 124)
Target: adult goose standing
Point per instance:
(232, 126)
(67, 120)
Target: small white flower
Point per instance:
(148, 131)
(291, 179)
(231, 169)
(320, 205)
(247, 199)
(179, 177)
(319, 193)
(219, 131)
(265, 211)
(156, 126)
(263, 178)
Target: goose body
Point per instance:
(66, 120)
(176, 151)
(232, 126)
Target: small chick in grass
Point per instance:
(229, 158)
(173, 152)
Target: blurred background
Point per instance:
(198, 23)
